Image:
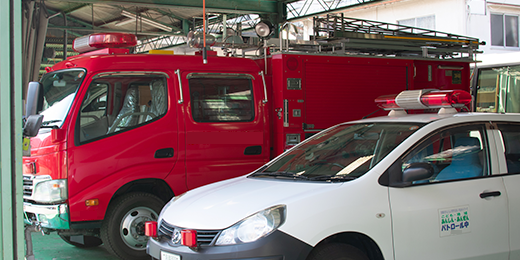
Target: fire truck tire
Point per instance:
(89, 241)
(337, 251)
(122, 230)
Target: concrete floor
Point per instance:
(52, 247)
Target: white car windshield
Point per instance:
(342, 153)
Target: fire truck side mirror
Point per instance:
(32, 125)
(34, 99)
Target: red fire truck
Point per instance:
(123, 133)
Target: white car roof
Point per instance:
(430, 117)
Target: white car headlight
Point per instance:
(50, 191)
(253, 227)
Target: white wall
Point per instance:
(449, 14)
(463, 17)
(511, 7)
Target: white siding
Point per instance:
(462, 17)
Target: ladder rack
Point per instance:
(338, 34)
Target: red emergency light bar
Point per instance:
(104, 40)
(424, 99)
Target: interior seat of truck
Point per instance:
(159, 99)
(128, 115)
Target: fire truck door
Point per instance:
(123, 131)
(224, 126)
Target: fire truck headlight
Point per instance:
(50, 191)
(253, 227)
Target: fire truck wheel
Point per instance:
(122, 230)
(88, 241)
(337, 251)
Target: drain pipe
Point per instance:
(29, 255)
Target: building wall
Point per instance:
(448, 13)
(463, 17)
(511, 7)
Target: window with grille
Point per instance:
(504, 30)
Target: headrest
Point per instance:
(466, 146)
(467, 141)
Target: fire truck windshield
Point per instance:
(59, 90)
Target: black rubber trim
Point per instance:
(86, 224)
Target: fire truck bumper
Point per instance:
(47, 216)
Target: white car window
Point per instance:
(455, 153)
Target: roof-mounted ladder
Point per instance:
(340, 34)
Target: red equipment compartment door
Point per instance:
(442, 75)
(339, 89)
(123, 131)
(225, 119)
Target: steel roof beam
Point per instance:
(54, 14)
(74, 20)
(308, 9)
(75, 8)
(185, 24)
(143, 15)
(219, 6)
(82, 29)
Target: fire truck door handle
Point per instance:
(286, 113)
(265, 87)
(178, 72)
(253, 150)
(164, 153)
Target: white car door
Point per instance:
(508, 142)
(461, 211)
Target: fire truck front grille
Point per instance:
(27, 185)
(204, 237)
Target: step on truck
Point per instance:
(123, 133)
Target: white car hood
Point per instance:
(222, 204)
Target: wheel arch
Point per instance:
(156, 187)
(358, 240)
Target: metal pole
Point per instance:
(224, 27)
(11, 223)
(65, 36)
(29, 254)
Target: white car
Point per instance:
(422, 186)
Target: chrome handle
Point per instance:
(178, 72)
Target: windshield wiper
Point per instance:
(50, 122)
(290, 175)
(46, 124)
(333, 178)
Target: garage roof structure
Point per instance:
(173, 19)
